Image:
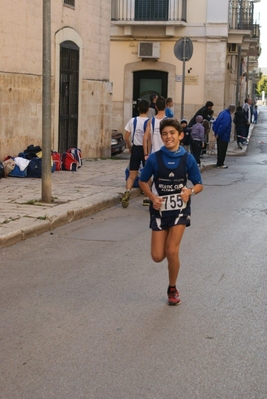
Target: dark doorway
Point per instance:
(147, 82)
(68, 96)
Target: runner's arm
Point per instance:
(127, 136)
(147, 140)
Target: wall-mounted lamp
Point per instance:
(189, 70)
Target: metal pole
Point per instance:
(238, 77)
(183, 79)
(46, 104)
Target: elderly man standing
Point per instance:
(222, 129)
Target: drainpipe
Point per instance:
(238, 83)
(238, 86)
(46, 104)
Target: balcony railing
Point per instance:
(241, 14)
(148, 10)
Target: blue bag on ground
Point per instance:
(16, 172)
(35, 168)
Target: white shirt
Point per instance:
(137, 136)
(156, 140)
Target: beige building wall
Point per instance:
(205, 72)
(88, 26)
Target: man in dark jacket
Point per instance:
(222, 129)
(204, 112)
(241, 123)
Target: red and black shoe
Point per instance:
(173, 296)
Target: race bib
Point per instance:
(172, 202)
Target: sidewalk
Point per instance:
(97, 185)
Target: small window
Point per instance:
(69, 3)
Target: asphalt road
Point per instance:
(83, 311)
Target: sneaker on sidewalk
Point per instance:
(173, 296)
(146, 201)
(222, 167)
(125, 199)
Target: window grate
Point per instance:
(69, 2)
(147, 10)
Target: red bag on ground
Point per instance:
(56, 159)
(69, 162)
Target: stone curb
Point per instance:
(36, 226)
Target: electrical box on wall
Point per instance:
(149, 49)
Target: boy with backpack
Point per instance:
(152, 141)
(170, 209)
(134, 134)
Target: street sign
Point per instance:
(183, 49)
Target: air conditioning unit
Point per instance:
(232, 48)
(149, 49)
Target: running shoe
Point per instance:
(146, 201)
(222, 167)
(173, 296)
(125, 199)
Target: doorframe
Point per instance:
(142, 66)
(63, 35)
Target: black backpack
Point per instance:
(2, 170)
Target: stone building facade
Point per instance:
(145, 33)
(81, 89)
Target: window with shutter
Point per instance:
(151, 10)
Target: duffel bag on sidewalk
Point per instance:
(16, 172)
(35, 168)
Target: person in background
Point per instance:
(206, 124)
(204, 112)
(247, 110)
(168, 110)
(170, 210)
(197, 138)
(255, 115)
(241, 122)
(134, 134)
(186, 140)
(152, 106)
(152, 138)
(222, 130)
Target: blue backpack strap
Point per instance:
(134, 128)
(145, 124)
(153, 124)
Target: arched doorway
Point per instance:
(147, 82)
(68, 96)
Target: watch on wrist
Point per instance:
(193, 191)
